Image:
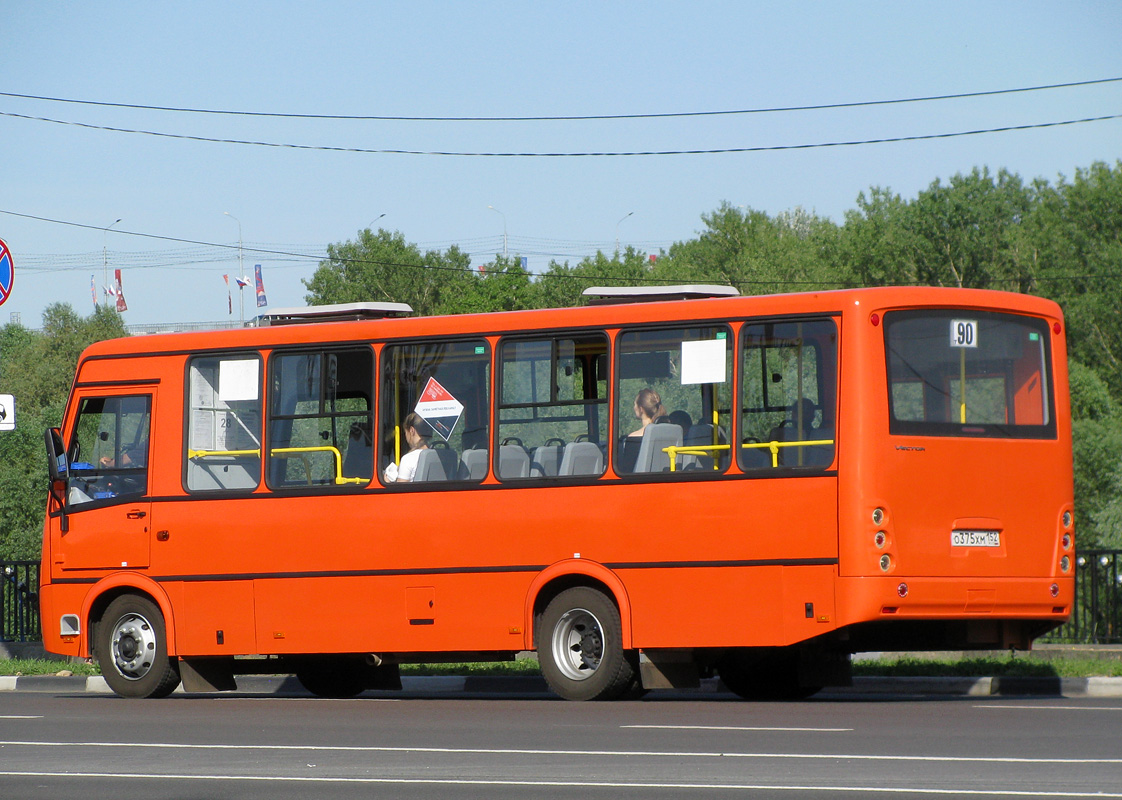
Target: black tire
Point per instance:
(580, 647)
(763, 674)
(333, 676)
(131, 646)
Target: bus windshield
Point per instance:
(969, 373)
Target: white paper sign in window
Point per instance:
(237, 380)
(703, 361)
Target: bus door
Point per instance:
(108, 511)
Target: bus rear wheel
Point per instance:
(580, 646)
(131, 646)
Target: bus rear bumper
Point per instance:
(923, 613)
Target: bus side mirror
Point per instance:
(59, 471)
(57, 466)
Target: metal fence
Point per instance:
(19, 601)
(1096, 618)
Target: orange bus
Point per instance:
(657, 487)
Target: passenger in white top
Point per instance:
(407, 469)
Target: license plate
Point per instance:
(975, 538)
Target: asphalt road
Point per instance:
(244, 746)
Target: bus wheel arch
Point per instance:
(131, 645)
(565, 575)
(578, 624)
(109, 589)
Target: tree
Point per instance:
(963, 233)
(561, 285)
(756, 253)
(38, 369)
(501, 285)
(1097, 456)
(384, 267)
(1074, 238)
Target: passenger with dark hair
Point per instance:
(648, 408)
(413, 426)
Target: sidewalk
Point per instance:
(287, 686)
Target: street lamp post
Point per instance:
(501, 214)
(241, 270)
(625, 216)
(370, 224)
(105, 255)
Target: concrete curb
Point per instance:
(282, 685)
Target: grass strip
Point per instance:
(893, 667)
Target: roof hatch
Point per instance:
(337, 312)
(603, 295)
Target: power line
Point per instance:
(564, 118)
(1016, 280)
(594, 154)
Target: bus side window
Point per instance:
(320, 406)
(674, 400)
(788, 380)
(436, 403)
(223, 423)
(552, 407)
(109, 449)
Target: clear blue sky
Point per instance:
(497, 59)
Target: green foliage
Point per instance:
(45, 666)
(758, 254)
(1074, 237)
(1097, 446)
(1023, 665)
(384, 267)
(962, 233)
(38, 368)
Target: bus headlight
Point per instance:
(1065, 563)
(885, 562)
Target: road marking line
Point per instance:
(21, 716)
(737, 728)
(1056, 708)
(579, 753)
(707, 787)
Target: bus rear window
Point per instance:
(969, 373)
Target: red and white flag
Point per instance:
(121, 305)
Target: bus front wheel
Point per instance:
(131, 647)
(580, 646)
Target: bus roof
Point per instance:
(604, 316)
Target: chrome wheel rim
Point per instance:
(133, 646)
(578, 644)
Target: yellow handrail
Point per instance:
(706, 449)
(210, 453)
(692, 450)
(774, 446)
(285, 451)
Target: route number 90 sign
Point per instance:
(7, 272)
(964, 333)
